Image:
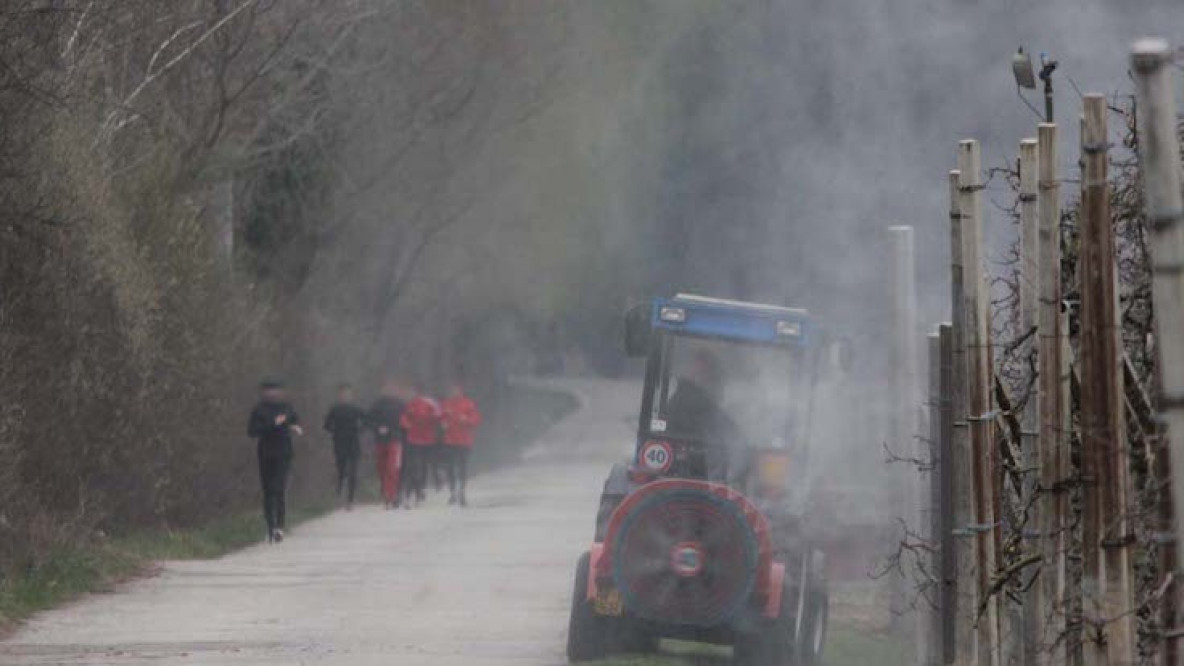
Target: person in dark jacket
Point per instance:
(384, 417)
(344, 422)
(273, 422)
(695, 412)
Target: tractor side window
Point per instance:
(660, 388)
(664, 391)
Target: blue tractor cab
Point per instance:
(761, 363)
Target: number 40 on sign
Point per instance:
(656, 456)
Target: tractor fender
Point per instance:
(616, 486)
(774, 589)
(617, 482)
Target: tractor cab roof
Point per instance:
(724, 319)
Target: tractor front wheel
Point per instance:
(814, 630)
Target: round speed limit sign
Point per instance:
(656, 456)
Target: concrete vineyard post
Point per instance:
(1160, 154)
(1053, 457)
(965, 582)
(931, 622)
(979, 392)
(1030, 278)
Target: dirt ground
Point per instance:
(489, 584)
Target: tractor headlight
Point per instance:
(670, 314)
(789, 329)
(772, 473)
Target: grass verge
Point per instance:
(71, 571)
(844, 647)
(215, 539)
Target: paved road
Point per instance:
(486, 585)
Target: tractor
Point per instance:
(702, 535)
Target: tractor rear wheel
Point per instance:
(770, 644)
(592, 636)
(635, 640)
(587, 632)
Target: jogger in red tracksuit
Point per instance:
(386, 418)
(461, 419)
(421, 427)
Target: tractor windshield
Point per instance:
(728, 394)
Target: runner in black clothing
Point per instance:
(345, 421)
(273, 422)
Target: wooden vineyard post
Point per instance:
(948, 566)
(1070, 318)
(1053, 444)
(1030, 279)
(1160, 154)
(1070, 538)
(965, 581)
(979, 384)
(931, 654)
(1106, 586)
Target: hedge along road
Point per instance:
(490, 584)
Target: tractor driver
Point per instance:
(695, 411)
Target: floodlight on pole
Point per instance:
(1025, 77)
(1021, 68)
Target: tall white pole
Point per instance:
(907, 395)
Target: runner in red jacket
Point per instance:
(461, 418)
(421, 427)
(385, 418)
